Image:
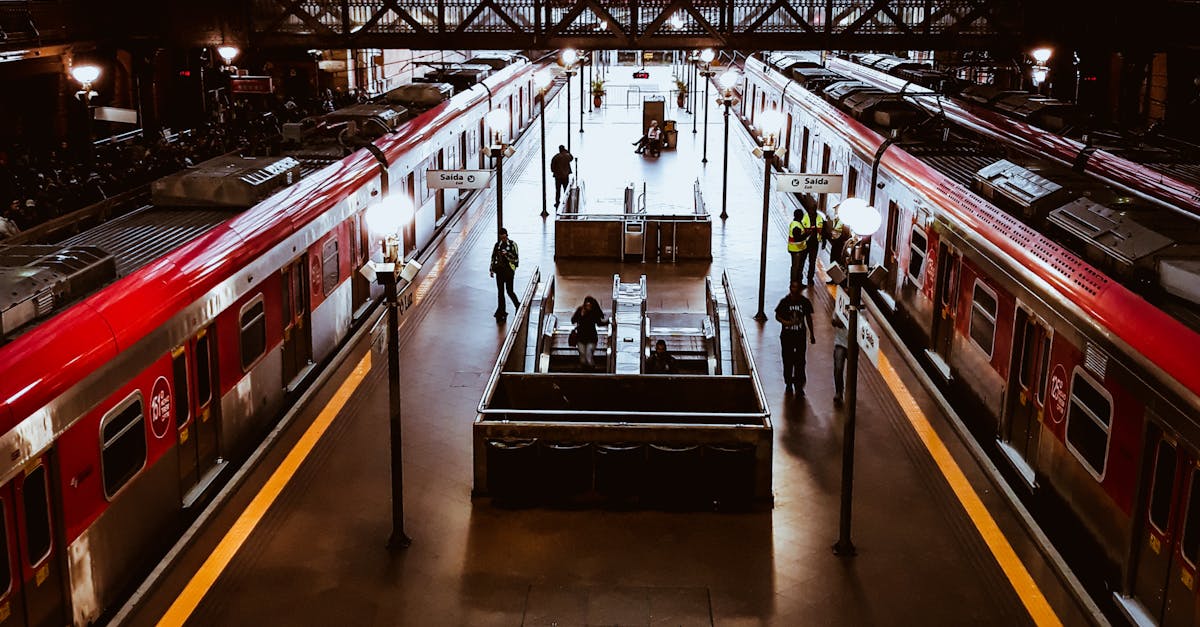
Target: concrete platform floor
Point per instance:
(318, 558)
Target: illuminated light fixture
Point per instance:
(569, 57)
(1039, 74)
(729, 78)
(497, 120)
(85, 74)
(707, 55)
(861, 217)
(676, 21)
(770, 122)
(1042, 55)
(543, 78)
(228, 53)
(603, 25)
(389, 215)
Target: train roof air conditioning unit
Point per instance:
(36, 280)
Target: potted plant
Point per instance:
(597, 91)
(681, 89)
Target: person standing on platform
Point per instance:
(794, 312)
(797, 241)
(560, 167)
(586, 317)
(840, 346)
(505, 258)
(836, 234)
(815, 222)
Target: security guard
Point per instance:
(836, 235)
(804, 236)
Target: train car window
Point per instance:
(1089, 418)
(254, 331)
(203, 372)
(851, 182)
(5, 558)
(179, 369)
(37, 515)
(916, 261)
(804, 151)
(983, 317)
(1027, 355)
(122, 444)
(1045, 370)
(1163, 487)
(329, 265)
(1190, 542)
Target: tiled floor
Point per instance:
(318, 557)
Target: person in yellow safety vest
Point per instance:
(836, 235)
(804, 237)
(797, 242)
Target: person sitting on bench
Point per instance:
(653, 134)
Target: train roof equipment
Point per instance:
(37, 279)
(420, 96)
(226, 181)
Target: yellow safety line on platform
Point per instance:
(1022, 582)
(212, 568)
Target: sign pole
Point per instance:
(768, 155)
(844, 546)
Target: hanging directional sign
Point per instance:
(458, 179)
(809, 183)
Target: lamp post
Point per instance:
(770, 121)
(582, 91)
(1040, 71)
(497, 121)
(863, 220)
(387, 217)
(569, 57)
(706, 56)
(228, 54)
(86, 75)
(726, 81)
(542, 81)
(692, 89)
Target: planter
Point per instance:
(597, 99)
(680, 100)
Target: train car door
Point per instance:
(787, 141)
(37, 574)
(297, 337)
(360, 287)
(891, 244)
(826, 158)
(439, 203)
(185, 427)
(12, 598)
(1020, 427)
(1168, 541)
(207, 404)
(945, 305)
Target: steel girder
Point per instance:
(632, 24)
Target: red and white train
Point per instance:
(1060, 363)
(118, 409)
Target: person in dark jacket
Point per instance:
(660, 361)
(505, 258)
(560, 167)
(586, 317)
(794, 312)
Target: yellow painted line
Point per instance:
(212, 568)
(1022, 582)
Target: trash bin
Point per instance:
(673, 476)
(566, 470)
(670, 135)
(620, 470)
(512, 469)
(729, 472)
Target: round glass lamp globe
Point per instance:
(569, 57)
(387, 216)
(497, 120)
(729, 78)
(543, 78)
(862, 218)
(85, 74)
(707, 55)
(770, 122)
(228, 53)
(1042, 55)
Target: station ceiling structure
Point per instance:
(646, 24)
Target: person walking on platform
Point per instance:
(560, 167)
(840, 346)
(794, 312)
(586, 317)
(505, 258)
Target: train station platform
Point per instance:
(300, 540)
